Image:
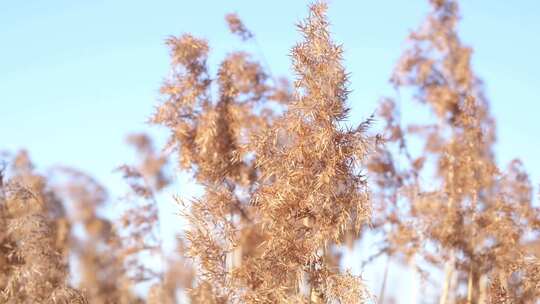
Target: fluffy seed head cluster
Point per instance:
(279, 191)
(476, 215)
(33, 242)
(310, 190)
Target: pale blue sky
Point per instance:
(77, 76)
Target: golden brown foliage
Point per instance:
(476, 216)
(33, 262)
(310, 191)
(284, 188)
(257, 229)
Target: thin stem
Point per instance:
(414, 279)
(385, 277)
(469, 286)
(449, 268)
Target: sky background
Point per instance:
(76, 77)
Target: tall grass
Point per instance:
(286, 185)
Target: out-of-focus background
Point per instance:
(76, 77)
